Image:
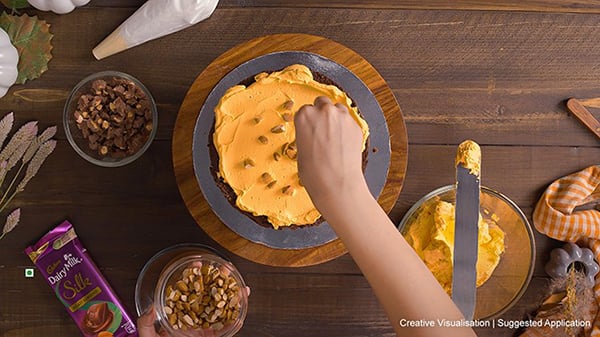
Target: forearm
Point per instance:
(403, 284)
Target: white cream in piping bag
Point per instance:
(156, 18)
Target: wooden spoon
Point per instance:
(584, 115)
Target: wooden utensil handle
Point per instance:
(584, 116)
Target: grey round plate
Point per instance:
(378, 161)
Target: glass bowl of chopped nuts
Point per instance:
(110, 118)
(194, 291)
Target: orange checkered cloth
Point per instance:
(554, 216)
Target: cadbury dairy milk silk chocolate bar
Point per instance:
(79, 285)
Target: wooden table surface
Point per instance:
(498, 74)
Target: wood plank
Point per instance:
(432, 117)
(48, 203)
(579, 6)
(55, 194)
(532, 118)
(520, 172)
(522, 179)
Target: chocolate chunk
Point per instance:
(119, 89)
(98, 85)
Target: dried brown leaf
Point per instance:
(19, 152)
(22, 146)
(47, 134)
(3, 171)
(31, 150)
(31, 36)
(38, 159)
(6, 125)
(19, 139)
(35, 144)
(12, 220)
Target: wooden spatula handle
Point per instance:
(584, 116)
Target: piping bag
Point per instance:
(156, 18)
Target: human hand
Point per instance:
(329, 144)
(145, 325)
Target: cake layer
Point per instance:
(255, 140)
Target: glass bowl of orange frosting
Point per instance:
(506, 250)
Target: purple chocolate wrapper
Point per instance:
(79, 285)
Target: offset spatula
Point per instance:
(468, 166)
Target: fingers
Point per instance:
(322, 101)
(341, 107)
(145, 324)
(162, 333)
(304, 109)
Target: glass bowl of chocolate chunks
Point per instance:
(110, 118)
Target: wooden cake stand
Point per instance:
(189, 112)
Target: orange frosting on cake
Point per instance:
(255, 140)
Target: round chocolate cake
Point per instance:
(252, 144)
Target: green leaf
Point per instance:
(15, 4)
(31, 37)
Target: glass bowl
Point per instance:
(75, 136)
(513, 273)
(166, 268)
